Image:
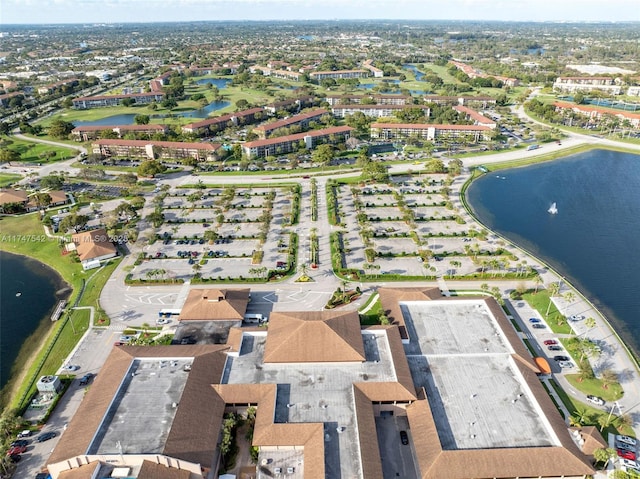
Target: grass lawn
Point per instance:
(556, 320)
(372, 316)
(31, 151)
(7, 178)
(595, 387)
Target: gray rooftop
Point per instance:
(478, 396)
(140, 416)
(317, 393)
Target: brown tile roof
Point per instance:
(291, 120)
(86, 471)
(196, 425)
(152, 470)
(12, 196)
(367, 435)
(93, 244)
(298, 136)
(215, 304)
(592, 439)
(222, 118)
(151, 126)
(314, 336)
(57, 196)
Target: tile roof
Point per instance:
(298, 136)
(314, 336)
(418, 126)
(93, 244)
(176, 145)
(215, 304)
(152, 470)
(12, 196)
(291, 120)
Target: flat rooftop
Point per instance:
(142, 412)
(317, 392)
(477, 393)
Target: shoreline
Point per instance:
(34, 343)
(631, 352)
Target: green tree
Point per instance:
(141, 119)
(52, 182)
(604, 455)
(323, 154)
(60, 129)
(150, 168)
(42, 200)
(7, 155)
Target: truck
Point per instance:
(255, 318)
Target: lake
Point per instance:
(417, 73)
(129, 118)
(27, 299)
(593, 239)
(220, 83)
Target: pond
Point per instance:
(218, 82)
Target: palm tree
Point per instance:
(604, 455)
(304, 268)
(569, 297)
(537, 281)
(608, 377)
(580, 417)
(624, 421)
(554, 289)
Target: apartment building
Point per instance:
(376, 72)
(164, 150)
(291, 104)
(286, 144)
(339, 74)
(86, 102)
(587, 84)
(45, 90)
(376, 111)
(428, 131)
(91, 132)
(477, 118)
(211, 126)
(273, 72)
(377, 99)
(597, 113)
(303, 119)
(479, 101)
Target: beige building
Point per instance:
(93, 247)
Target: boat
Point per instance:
(553, 209)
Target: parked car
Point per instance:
(45, 436)
(404, 438)
(576, 317)
(72, 367)
(550, 342)
(565, 364)
(535, 320)
(626, 439)
(25, 433)
(538, 326)
(554, 347)
(20, 442)
(627, 454)
(16, 450)
(84, 380)
(598, 401)
(561, 358)
(628, 464)
(161, 321)
(126, 339)
(15, 457)
(625, 446)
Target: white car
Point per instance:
(565, 364)
(627, 440)
(576, 317)
(598, 401)
(161, 321)
(629, 464)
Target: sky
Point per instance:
(117, 11)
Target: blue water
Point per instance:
(129, 118)
(594, 239)
(418, 74)
(218, 82)
(27, 298)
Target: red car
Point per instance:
(550, 342)
(627, 454)
(15, 450)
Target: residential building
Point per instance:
(93, 247)
(45, 90)
(303, 119)
(477, 118)
(471, 72)
(165, 150)
(91, 132)
(633, 91)
(479, 101)
(597, 113)
(210, 126)
(377, 73)
(377, 111)
(6, 98)
(291, 104)
(87, 102)
(334, 100)
(339, 74)
(331, 399)
(276, 73)
(428, 131)
(286, 144)
(587, 84)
